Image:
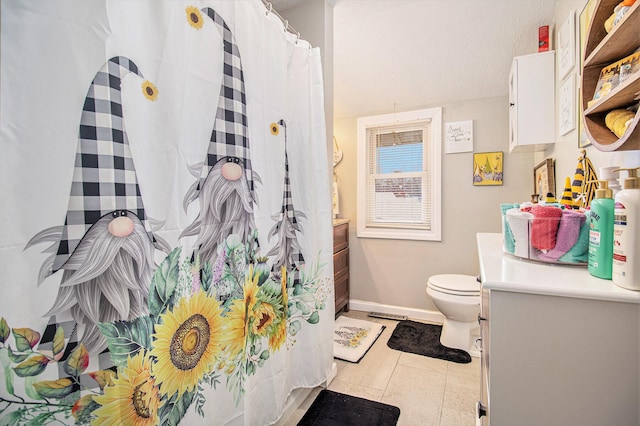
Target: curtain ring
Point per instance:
(297, 36)
(270, 8)
(286, 25)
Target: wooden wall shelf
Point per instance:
(601, 50)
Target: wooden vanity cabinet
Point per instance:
(341, 264)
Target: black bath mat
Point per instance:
(337, 409)
(424, 339)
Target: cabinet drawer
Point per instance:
(340, 237)
(340, 261)
(341, 286)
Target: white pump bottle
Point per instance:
(626, 234)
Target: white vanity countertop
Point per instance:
(500, 271)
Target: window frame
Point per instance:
(433, 167)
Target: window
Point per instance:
(399, 173)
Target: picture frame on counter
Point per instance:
(544, 179)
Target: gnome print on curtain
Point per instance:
(220, 329)
(225, 185)
(106, 245)
(287, 251)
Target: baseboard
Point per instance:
(420, 314)
(434, 317)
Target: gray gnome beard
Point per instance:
(225, 208)
(106, 279)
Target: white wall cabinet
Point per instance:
(559, 347)
(532, 102)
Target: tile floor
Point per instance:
(428, 391)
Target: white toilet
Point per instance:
(457, 297)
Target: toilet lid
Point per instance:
(461, 284)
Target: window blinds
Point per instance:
(398, 184)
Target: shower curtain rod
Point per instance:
(287, 27)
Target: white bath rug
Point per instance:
(352, 338)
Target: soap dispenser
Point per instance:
(626, 234)
(600, 255)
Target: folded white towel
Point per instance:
(519, 224)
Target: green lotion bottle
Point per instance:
(601, 232)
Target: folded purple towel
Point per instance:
(568, 233)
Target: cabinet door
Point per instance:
(532, 102)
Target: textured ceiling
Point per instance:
(398, 55)
(281, 5)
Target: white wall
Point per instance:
(395, 272)
(313, 19)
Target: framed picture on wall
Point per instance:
(585, 20)
(458, 137)
(567, 45)
(567, 106)
(544, 179)
(487, 168)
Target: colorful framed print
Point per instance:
(487, 168)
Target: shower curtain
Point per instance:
(166, 229)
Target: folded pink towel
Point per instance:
(568, 233)
(544, 226)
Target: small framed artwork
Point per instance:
(583, 137)
(544, 179)
(567, 106)
(458, 137)
(567, 45)
(487, 168)
(585, 21)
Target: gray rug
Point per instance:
(424, 339)
(337, 409)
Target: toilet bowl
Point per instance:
(457, 297)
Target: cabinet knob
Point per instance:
(481, 318)
(511, 104)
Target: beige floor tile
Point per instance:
(452, 417)
(423, 362)
(470, 371)
(348, 388)
(428, 391)
(418, 393)
(374, 370)
(460, 397)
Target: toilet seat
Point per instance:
(455, 284)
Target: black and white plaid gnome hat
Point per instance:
(288, 212)
(229, 136)
(287, 201)
(104, 178)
